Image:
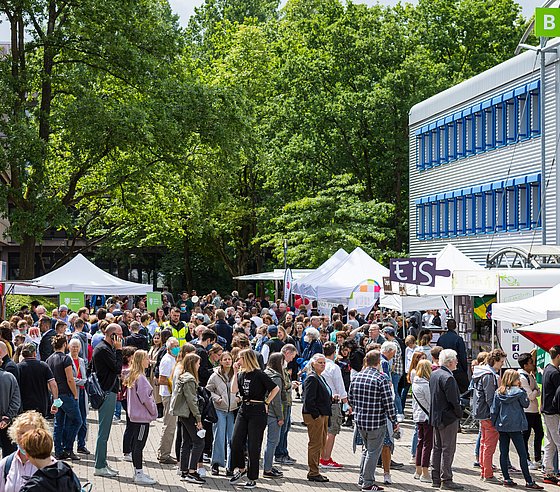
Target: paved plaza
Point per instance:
(294, 476)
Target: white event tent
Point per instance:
(80, 275)
(440, 295)
(307, 286)
(336, 286)
(542, 307)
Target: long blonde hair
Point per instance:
(250, 361)
(509, 379)
(136, 368)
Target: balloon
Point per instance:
(298, 303)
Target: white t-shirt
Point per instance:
(166, 367)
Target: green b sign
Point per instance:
(153, 300)
(74, 300)
(547, 22)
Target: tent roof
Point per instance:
(277, 274)
(81, 275)
(545, 334)
(537, 308)
(306, 286)
(337, 284)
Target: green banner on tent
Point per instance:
(153, 301)
(74, 300)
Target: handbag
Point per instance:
(96, 394)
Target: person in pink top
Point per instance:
(141, 409)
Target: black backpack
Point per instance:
(206, 406)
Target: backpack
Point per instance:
(8, 464)
(206, 406)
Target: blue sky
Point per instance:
(185, 8)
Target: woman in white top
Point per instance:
(421, 417)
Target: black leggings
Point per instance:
(535, 422)
(249, 428)
(138, 441)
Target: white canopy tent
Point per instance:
(335, 286)
(542, 307)
(439, 296)
(276, 275)
(80, 275)
(307, 286)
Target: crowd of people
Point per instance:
(220, 374)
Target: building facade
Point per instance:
(475, 172)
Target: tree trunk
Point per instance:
(27, 258)
(187, 270)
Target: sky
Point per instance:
(185, 8)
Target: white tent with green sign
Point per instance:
(80, 275)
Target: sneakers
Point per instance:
(476, 464)
(416, 476)
(512, 469)
(73, 456)
(83, 450)
(372, 487)
(534, 486)
(193, 478)
(509, 483)
(215, 469)
(532, 466)
(551, 479)
(273, 473)
(288, 460)
(168, 461)
(330, 463)
(127, 457)
(249, 484)
(112, 470)
(116, 420)
(387, 479)
(206, 458)
(105, 472)
(237, 476)
(491, 479)
(143, 479)
(412, 460)
(426, 479)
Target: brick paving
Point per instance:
(294, 476)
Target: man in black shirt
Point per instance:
(107, 363)
(47, 333)
(35, 381)
(207, 339)
(136, 339)
(223, 328)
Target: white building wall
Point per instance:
(519, 159)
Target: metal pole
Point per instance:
(285, 255)
(543, 147)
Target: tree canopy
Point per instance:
(216, 142)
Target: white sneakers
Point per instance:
(105, 472)
(387, 479)
(127, 457)
(143, 479)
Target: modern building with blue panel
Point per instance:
(476, 177)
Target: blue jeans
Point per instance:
(67, 421)
(222, 430)
(105, 422)
(282, 448)
(395, 378)
(519, 443)
(118, 409)
(82, 431)
(272, 438)
(373, 444)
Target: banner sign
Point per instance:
(417, 271)
(74, 300)
(547, 22)
(387, 285)
(153, 300)
(288, 283)
(364, 296)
